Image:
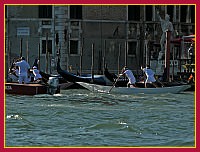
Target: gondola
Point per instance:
(96, 79)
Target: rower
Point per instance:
(130, 76)
(149, 76)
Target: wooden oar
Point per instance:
(160, 82)
(114, 84)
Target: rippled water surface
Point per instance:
(83, 118)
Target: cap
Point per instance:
(34, 67)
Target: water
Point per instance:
(83, 118)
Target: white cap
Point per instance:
(34, 67)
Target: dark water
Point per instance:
(83, 118)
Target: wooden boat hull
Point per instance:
(131, 91)
(25, 89)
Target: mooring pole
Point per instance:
(167, 54)
(21, 47)
(92, 66)
(118, 59)
(46, 53)
(38, 55)
(125, 53)
(27, 52)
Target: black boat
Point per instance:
(121, 82)
(96, 79)
(63, 84)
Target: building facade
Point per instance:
(91, 35)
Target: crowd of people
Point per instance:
(22, 72)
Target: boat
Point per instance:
(113, 77)
(140, 84)
(132, 91)
(25, 89)
(70, 77)
(33, 88)
(45, 77)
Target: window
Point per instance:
(73, 46)
(45, 11)
(148, 12)
(134, 12)
(44, 46)
(76, 12)
(192, 14)
(183, 13)
(6, 9)
(132, 47)
(170, 11)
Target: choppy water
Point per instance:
(83, 118)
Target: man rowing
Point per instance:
(150, 79)
(130, 76)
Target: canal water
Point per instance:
(82, 118)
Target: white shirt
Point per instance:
(36, 74)
(150, 75)
(23, 67)
(130, 76)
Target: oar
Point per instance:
(114, 84)
(160, 82)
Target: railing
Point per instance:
(172, 62)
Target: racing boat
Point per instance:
(131, 91)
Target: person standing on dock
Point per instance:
(130, 76)
(149, 76)
(23, 70)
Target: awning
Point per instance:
(189, 38)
